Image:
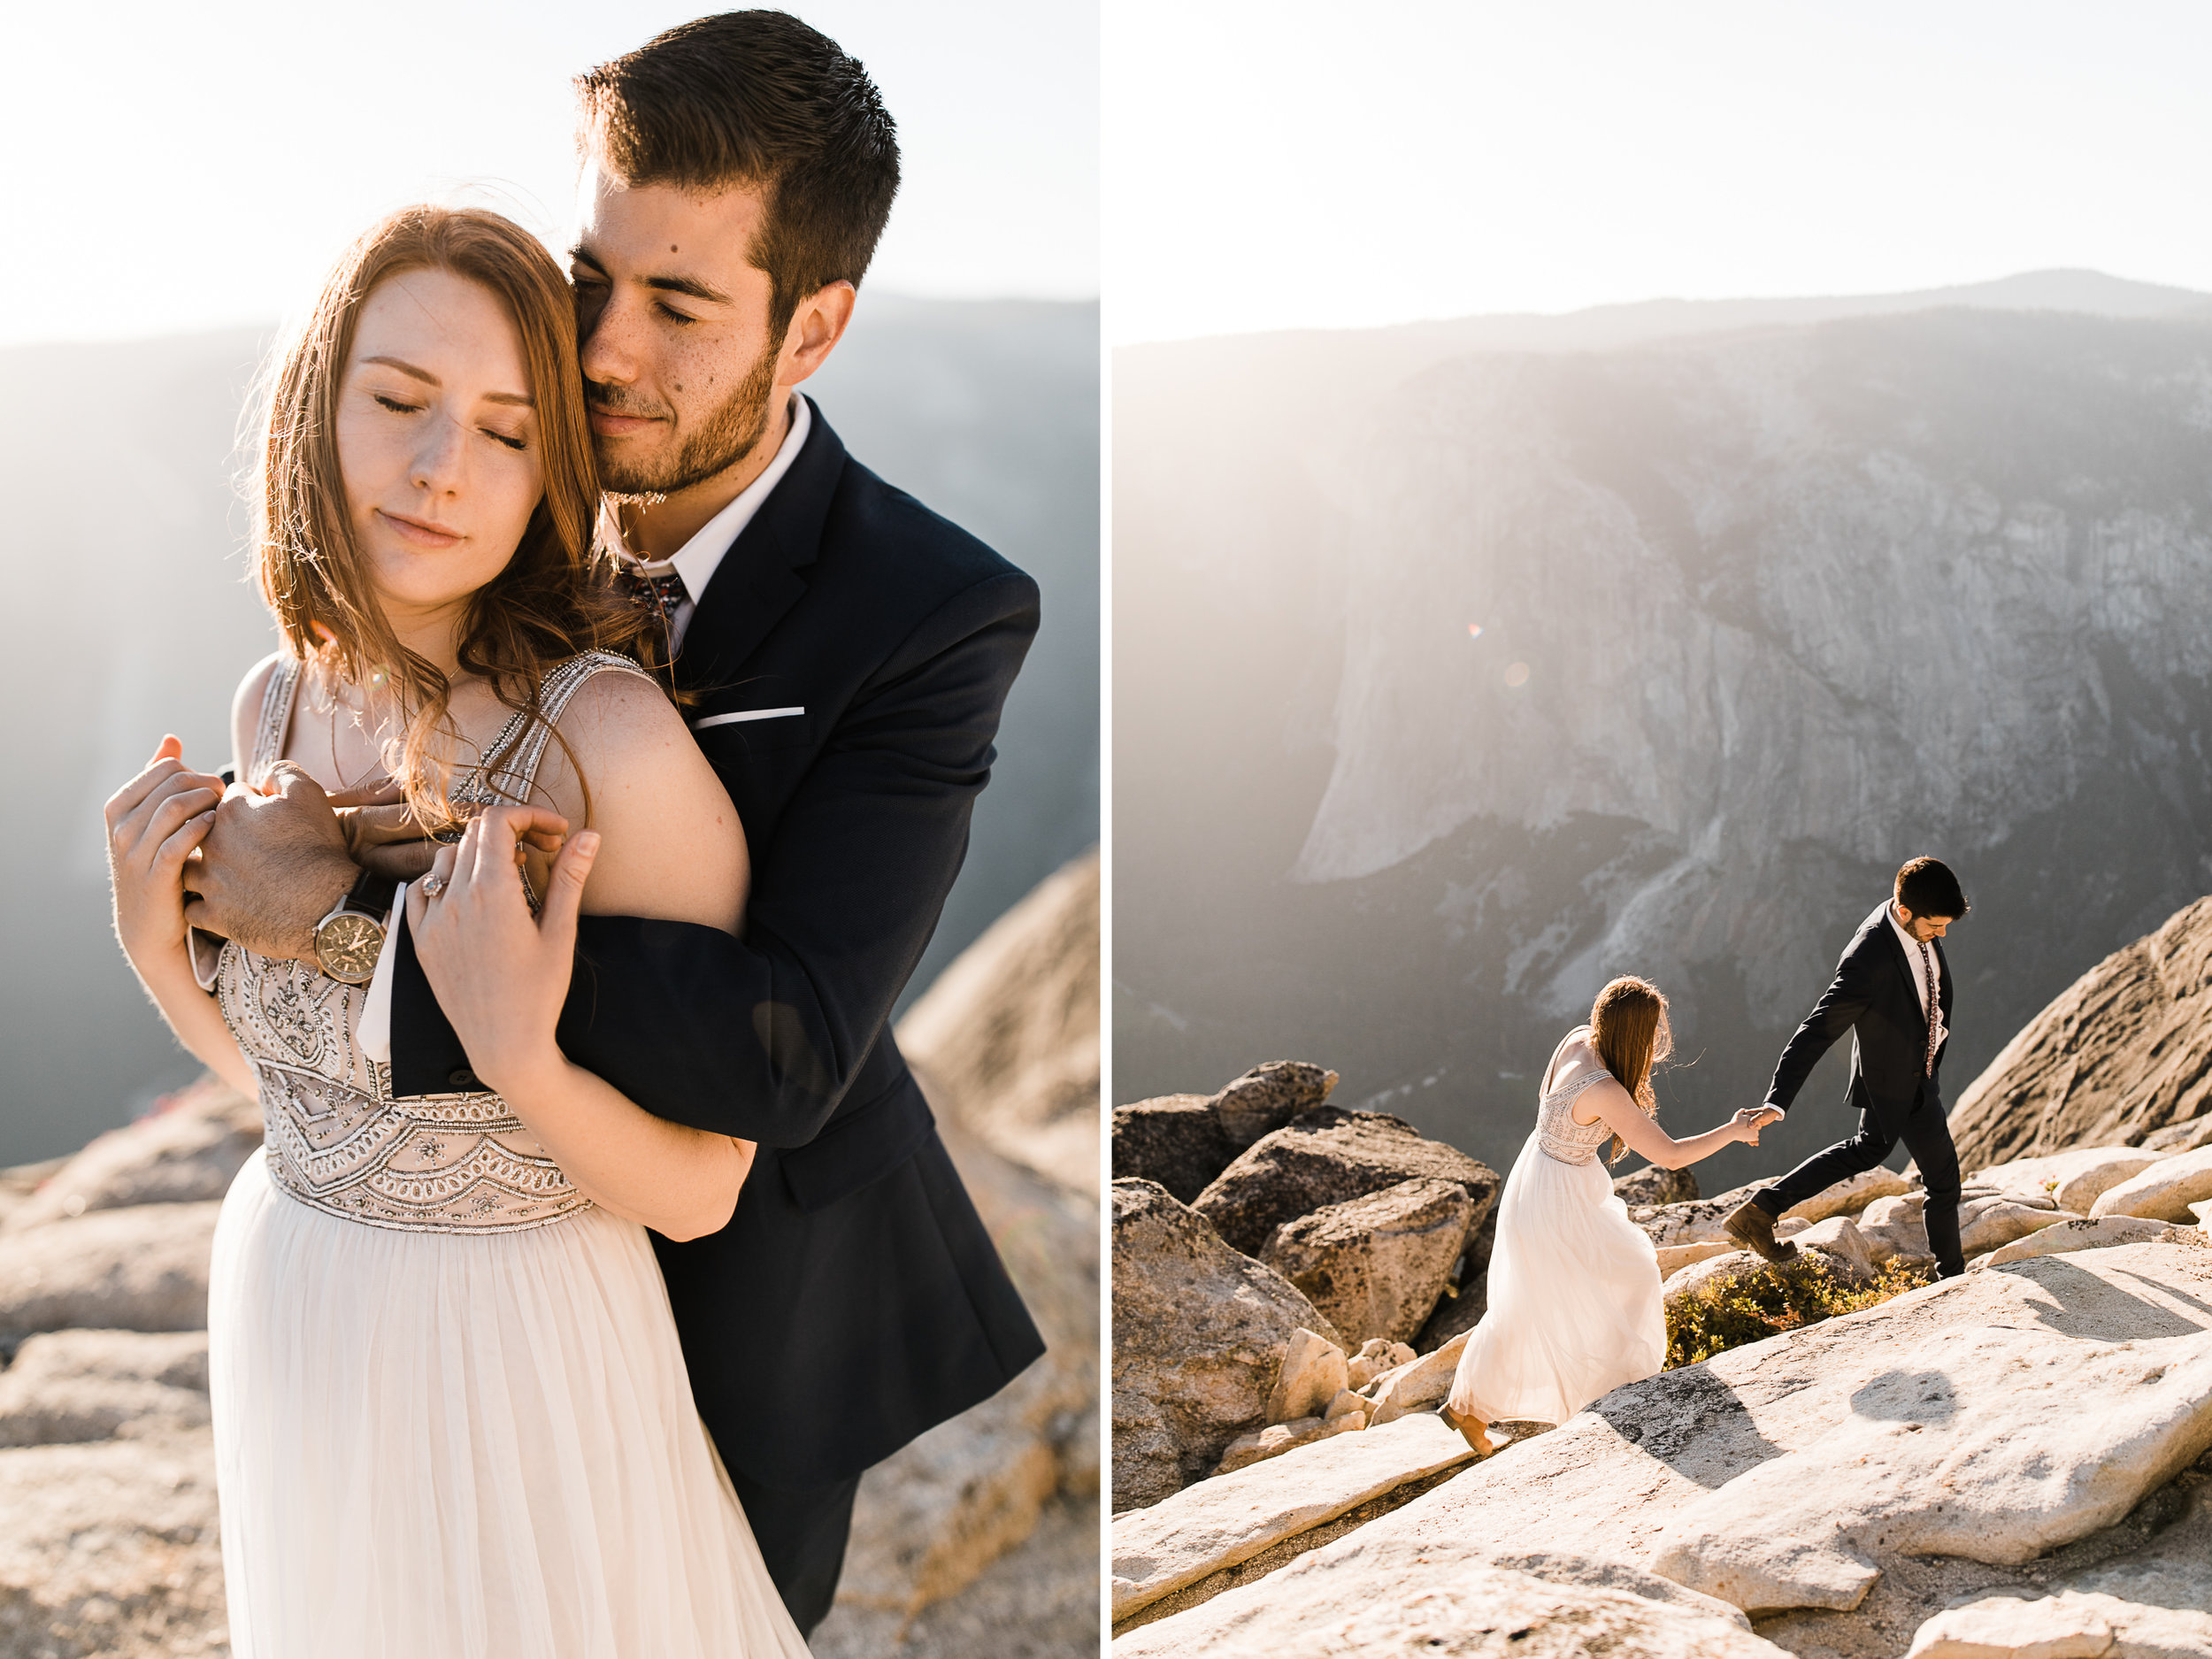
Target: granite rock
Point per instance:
(1376, 1265)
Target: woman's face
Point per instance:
(437, 441)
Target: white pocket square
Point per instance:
(745, 714)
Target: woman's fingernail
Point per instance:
(587, 843)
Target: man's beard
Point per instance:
(726, 436)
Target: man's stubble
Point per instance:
(728, 434)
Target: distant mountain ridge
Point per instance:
(1789, 601)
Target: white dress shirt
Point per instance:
(1924, 962)
(697, 560)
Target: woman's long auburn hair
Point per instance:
(1628, 1029)
(552, 600)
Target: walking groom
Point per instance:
(847, 654)
(1893, 993)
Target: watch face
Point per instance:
(347, 946)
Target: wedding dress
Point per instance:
(451, 1415)
(1574, 1308)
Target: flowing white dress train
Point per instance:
(1574, 1308)
(452, 1416)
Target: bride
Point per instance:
(451, 1414)
(1574, 1306)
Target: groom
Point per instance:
(1893, 993)
(849, 653)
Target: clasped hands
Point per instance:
(1751, 1119)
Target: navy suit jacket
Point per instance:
(1875, 998)
(855, 1299)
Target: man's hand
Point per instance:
(383, 835)
(271, 867)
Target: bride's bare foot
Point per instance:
(1472, 1431)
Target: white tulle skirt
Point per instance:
(454, 1445)
(1574, 1308)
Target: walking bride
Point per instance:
(452, 1416)
(1574, 1305)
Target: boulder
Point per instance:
(1183, 1141)
(1199, 1332)
(1416, 1387)
(1328, 1156)
(1985, 1224)
(1219, 1523)
(1278, 1437)
(1604, 1487)
(110, 1548)
(1381, 1598)
(2072, 1625)
(931, 1518)
(2123, 1052)
(1711, 1274)
(1006, 1037)
(1312, 1376)
(1653, 1185)
(2072, 1180)
(1848, 1198)
(186, 1150)
(1268, 1096)
(1376, 1265)
(2181, 1137)
(2164, 1191)
(140, 1269)
(1674, 1257)
(2086, 1232)
(1991, 1443)
(1175, 1142)
(70, 1385)
(1376, 1356)
(1839, 1239)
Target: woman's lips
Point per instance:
(418, 531)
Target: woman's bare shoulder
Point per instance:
(245, 708)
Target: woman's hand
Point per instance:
(1751, 1119)
(155, 823)
(501, 975)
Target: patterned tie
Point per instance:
(659, 593)
(1927, 970)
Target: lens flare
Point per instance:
(1474, 630)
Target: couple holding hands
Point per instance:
(613, 769)
(1574, 1304)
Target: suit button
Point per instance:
(465, 1079)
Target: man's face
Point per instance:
(673, 319)
(1926, 927)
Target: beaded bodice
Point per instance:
(1556, 1131)
(337, 1138)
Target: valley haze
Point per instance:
(1461, 666)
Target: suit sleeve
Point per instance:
(1837, 1012)
(760, 1038)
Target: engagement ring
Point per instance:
(431, 886)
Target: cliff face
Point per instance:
(2123, 1054)
(1661, 659)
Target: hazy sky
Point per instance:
(1284, 163)
(187, 166)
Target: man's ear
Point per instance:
(816, 327)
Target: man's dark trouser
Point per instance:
(802, 1538)
(1927, 1136)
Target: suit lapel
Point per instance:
(1903, 957)
(765, 571)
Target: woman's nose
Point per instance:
(438, 459)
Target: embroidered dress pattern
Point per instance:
(1557, 1134)
(338, 1140)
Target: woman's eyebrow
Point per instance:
(428, 378)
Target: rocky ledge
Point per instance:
(980, 1537)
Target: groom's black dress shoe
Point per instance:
(1753, 1228)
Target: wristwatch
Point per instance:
(349, 940)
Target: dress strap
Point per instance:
(277, 699)
(510, 763)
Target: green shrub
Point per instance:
(1763, 1304)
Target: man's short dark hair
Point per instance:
(1926, 887)
(755, 98)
